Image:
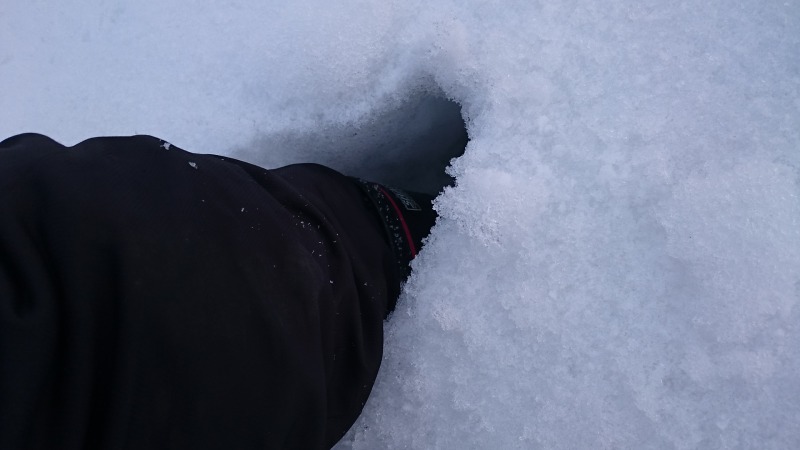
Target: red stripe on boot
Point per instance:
(402, 221)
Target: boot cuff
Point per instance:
(406, 216)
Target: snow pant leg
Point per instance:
(155, 298)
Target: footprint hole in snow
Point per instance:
(407, 145)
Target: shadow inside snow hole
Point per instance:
(407, 147)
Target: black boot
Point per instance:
(406, 216)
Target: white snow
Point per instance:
(619, 263)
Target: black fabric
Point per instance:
(155, 298)
(407, 218)
(420, 221)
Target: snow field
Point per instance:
(618, 265)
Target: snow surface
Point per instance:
(618, 265)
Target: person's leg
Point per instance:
(151, 297)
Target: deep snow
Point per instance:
(618, 265)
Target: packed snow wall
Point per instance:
(618, 262)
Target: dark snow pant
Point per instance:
(154, 298)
